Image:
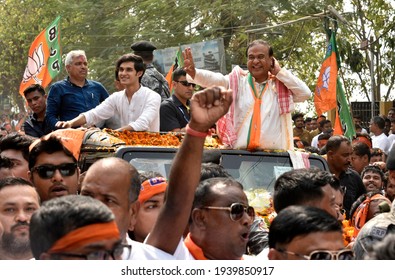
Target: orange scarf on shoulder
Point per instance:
(194, 249)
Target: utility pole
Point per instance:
(373, 96)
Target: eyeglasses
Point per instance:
(118, 252)
(236, 210)
(345, 254)
(186, 83)
(47, 171)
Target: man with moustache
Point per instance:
(264, 96)
(74, 95)
(18, 201)
(339, 151)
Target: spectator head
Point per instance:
(360, 156)
(74, 227)
(151, 198)
(298, 119)
(15, 147)
(373, 178)
(36, 99)
(377, 125)
(53, 167)
(305, 187)
(297, 232)
(76, 65)
(221, 218)
(338, 150)
(117, 179)
(376, 154)
(18, 201)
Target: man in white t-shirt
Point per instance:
(379, 139)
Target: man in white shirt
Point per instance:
(137, 107)
(260, 116)
(379, 139)
(326, 127)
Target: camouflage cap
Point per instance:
(374, 231)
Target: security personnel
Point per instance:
(152, 78)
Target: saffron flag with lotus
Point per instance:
(325, 91)
(329, 93)
(45, 59)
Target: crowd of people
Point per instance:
(50, 210)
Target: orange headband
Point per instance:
(151, 187)
(85, 235)
(360, 215)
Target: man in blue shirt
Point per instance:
(75, 94)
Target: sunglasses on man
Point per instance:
(345, 254)
(236, 210)
(47, 171)
(186, 83)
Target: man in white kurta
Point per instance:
(279, 88)
(141, 113)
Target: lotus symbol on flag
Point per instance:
(35, 63)
(325, 77)
(325, 80)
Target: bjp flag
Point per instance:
(178, 62)
(344, 124)
(44, 59)
(325, 91)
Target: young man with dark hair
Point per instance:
(307, 124)
(373, 178)
(299, 130)
(325, 127)
(306, 233)
(36, 124)
(360, 156)
(15, 147)
(135, 106)
(75, 227)
(174, 111)
(53, 168)
(18, 201)
(305, 187)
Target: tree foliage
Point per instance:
(105, 30)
